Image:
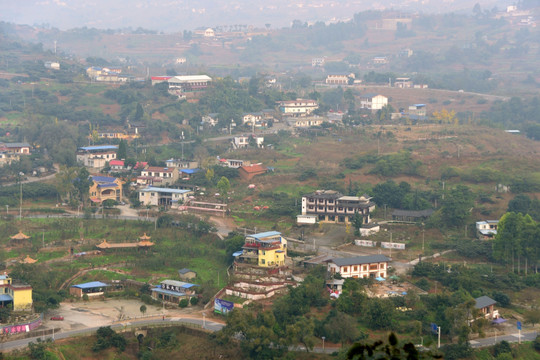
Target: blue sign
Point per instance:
(434, 328)
(222, 306)
(519, 325)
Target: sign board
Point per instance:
(367, 243)
(390, 245)
(519, 325)
(222, 306)
(434, 328)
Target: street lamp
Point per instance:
(323, 338)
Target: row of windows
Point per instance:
(364, 267)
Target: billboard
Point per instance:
(222, 306)
(389, 245)
(367, 243)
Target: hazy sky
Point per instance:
(178, 15)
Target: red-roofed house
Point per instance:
(117, 164)
(247, 172)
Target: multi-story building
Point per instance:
(162, 196)
(332, 206)
(97, 156)
(105, 188)
(373, 101)
(371, 266)
(267, 249)
(189, 83)
(18, 295)
(158, 175)
(298, 107)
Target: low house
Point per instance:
(52, 65)
(210, 119)
(417, 112)
(105, 188)
(487, 306)
(403, 83)
(248, 172)
(380, 60)
(91, 289)
(335, 286)
(232, 163)
(172, 291)
(244, 141)
(371, 266)
(155, 196)
(181, 164)
(373, 102)
(117, 165)
(267, 249)
(15, 148)
(298, 107)
(369, 229)
(340, 79)
(411, 215)
(252, 118)
(8, 158)
(187, 274)
(487, 229)
(19, 296)
(306, 122)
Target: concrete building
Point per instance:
(155, 196)
(332, 206)
(18, 295)
(96, 157)
(371, 266)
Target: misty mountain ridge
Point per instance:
(178, 15)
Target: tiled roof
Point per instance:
(484, 301)
(253, 168)
(89, 285)
(369, 259)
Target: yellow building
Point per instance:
(105, 188)
(266, 249)
(19, 295)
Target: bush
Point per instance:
(194, 300)
(183, 303)
(536, 343)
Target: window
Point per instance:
(346, 269)
(364, 268)
(355, 268)
(262, 261)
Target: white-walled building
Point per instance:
(373, 266)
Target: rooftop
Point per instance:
(180, 284)
(89, 285)
(99, 147)
(103, 179)
(264, 235)
(484, 301)
(164, 190)
(369, 259)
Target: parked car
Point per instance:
(57, 318)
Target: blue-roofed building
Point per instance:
(267, 249)
(487, 229)
(156, 196)
(173, 291)
(92, 289)
(96, 157)
(105, 188)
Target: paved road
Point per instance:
(478, 343)
(22, 343)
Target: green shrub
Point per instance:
(183, 303)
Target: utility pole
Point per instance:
(20, 205)
(439, 337)
(43, 237)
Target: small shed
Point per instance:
(187, 274)
(92, 289)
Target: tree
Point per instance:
(457, 205)
(82, 184)
(122, 150)
(357, 223)
(142, 309)
(223, 186)
(380, 350)
(385, 113)
(532, 317)
(302, 332)
(139, 113)
(379, 313)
